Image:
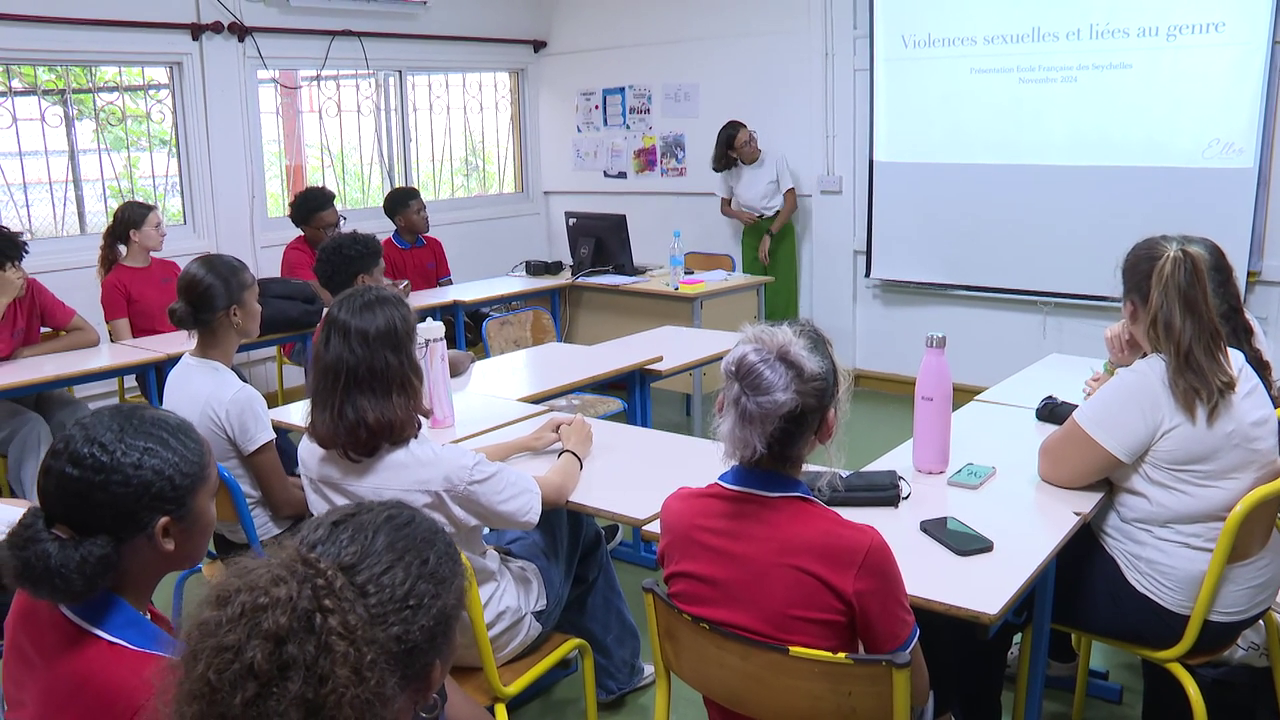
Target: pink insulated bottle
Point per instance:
(435, 373)
(931, 434)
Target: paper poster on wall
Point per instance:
(614, 100)
(671, 154)
(588, 111)
(644, 158)
(588, 153)
(680, 100)
(639, 108)
(617, 160)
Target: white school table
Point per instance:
(482, 293)
(173, 345)
(474, 414)
(1057, 374)
(431, 299)
(106, 361)
(683, 349)
(624, 478)
(550, 370)
(596, 313)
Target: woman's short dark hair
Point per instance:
(13, 248)
(366, 376)
(339, 623)
(721, 160)
(308, 203)
(208, 287)
(107, 480)
(345, 257)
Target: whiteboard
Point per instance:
(764, 85)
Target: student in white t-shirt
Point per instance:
(760, 184)
(542, 568)
(218, 300)
(1182, 434)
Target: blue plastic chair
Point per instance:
(532, 326)
(231, 507)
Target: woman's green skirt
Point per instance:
(782, 296)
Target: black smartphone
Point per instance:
(956, 536)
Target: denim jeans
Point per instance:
(584, 598)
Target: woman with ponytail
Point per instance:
(126, 497)
(137, 288)
(339, 624)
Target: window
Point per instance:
(362, 132)
(78, 140)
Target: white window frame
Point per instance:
(46, 46)
(293, 53)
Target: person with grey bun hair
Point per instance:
(817, 580)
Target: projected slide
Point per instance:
(1154, 83)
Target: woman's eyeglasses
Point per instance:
(331, 230)
(750, 142)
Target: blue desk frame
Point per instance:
(145, 369)
(151, 376)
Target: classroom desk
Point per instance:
(547, 371)
(596, 313)
(474, 415)
(173, 345)
(55, 371)
(1056, 374)
(423, 301)
(493, 291)
(683, 349)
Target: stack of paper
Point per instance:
(612, 280)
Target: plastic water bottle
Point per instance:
(435, 373)
(931, 434)
(676, 260)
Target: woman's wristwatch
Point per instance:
(769, 233)
(1109, 368)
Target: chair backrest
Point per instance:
(702, 262)
(233, 508)
(773, 682)
(518, 330)
(479, 631)
(1246, 532)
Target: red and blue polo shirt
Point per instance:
(421, 262)
(811, 578)
(37, 308)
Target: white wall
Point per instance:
(224, 187)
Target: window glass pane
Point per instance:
(464, 133)
(78, 140)
(337, 128)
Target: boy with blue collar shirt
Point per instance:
(410, 253)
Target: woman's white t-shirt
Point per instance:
(232, 415)
(1181, 479)
(758, 188)
(465, 492)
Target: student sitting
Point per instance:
(367, 440)
(779, 403)
(342, 625)
(352, 259)
(126, 497)
(218, 300)
(411, 254)
(29, 424)
(312, 211)
(137, 288)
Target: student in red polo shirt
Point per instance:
(819, 581)
(312, 211)
(410, 253)
(28, 424)
(126, 497)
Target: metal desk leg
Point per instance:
(636, 551)
(637, 399)
(150, 387)
(696, 404)
(759, 303)
(1041, 615)
(697, 312)
(555, 312)
(459, 323)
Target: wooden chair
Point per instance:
(767, 681)
(494, 685)
(1246, 533)
(532, 326)
(231, 507)
(702, 262)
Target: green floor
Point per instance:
(873, 424)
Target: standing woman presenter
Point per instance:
(759, 183)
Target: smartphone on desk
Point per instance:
(956, 536)
(972, 476)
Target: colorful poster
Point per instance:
(615, 167)
(588, 153)
(680, 100)
(614, 102)
(588, 111)
(639, 108)
(671, 154)
(644, 158)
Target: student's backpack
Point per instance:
(288, 305)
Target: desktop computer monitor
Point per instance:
(599, 241)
